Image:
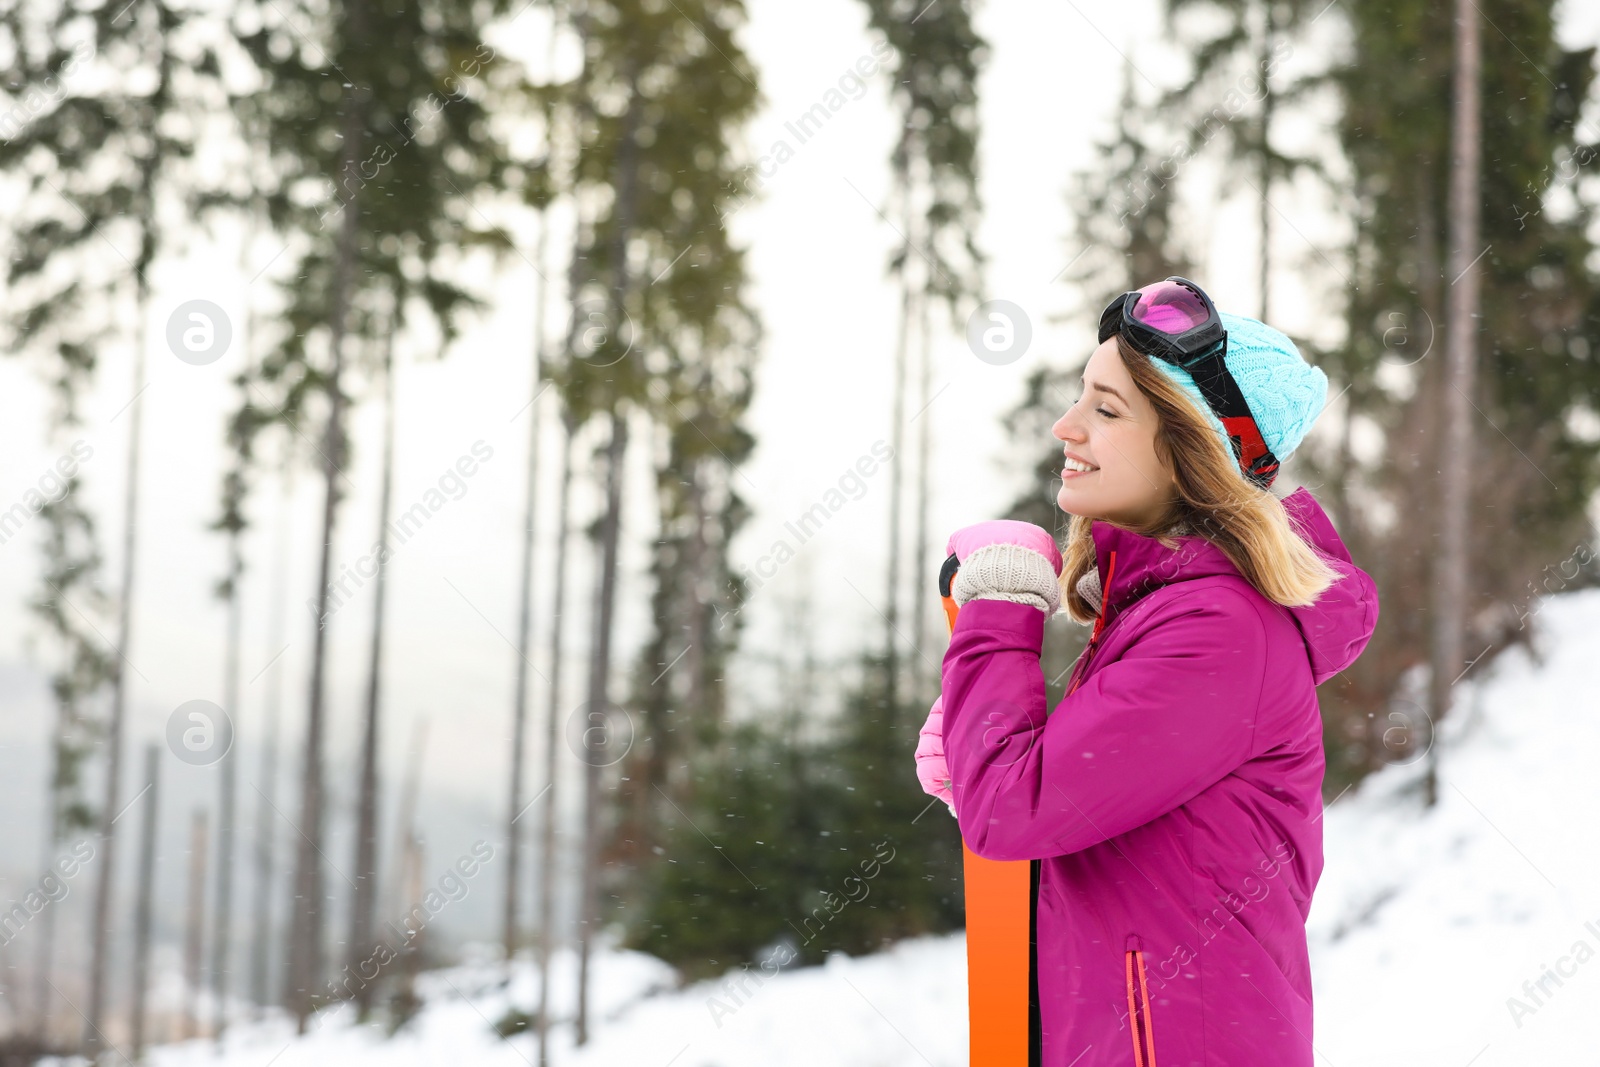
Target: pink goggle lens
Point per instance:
(1169, 307)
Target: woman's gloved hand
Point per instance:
(932, 771)
(1004, 559)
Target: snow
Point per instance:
(1426, 924)
(897, 1008)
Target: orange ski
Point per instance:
(1000, 898)
(999, 964)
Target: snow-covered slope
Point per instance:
(898, 1008)
(1425, 927)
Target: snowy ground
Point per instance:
(902, 1007)
(1425, 926)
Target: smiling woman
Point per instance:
(1189, 736)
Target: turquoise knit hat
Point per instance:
(1285, 393)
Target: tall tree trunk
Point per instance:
(366, 874)
(305, 939)
(519, 713)
(1344, 459)
(1455, 461)
(194, 928)
(406, 884)
(146, 893)
(624, 181)
(228, 786)
(599, 711)
(100, 928)
(410, 886)
(897, 419)
(1268, 103)
(921, 579)
(547, 823)
(44, 952)
(266, 814)
(144, 215)
(697, 695)
(400, 892)
(525, 622)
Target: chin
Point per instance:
(1071, 502)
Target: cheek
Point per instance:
(1149, 458)
(1117, 447)
(1133, 447)
(1133, 471)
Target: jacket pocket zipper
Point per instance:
(1139, 1021)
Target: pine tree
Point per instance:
(1534, 467)
(101, 166)
(1236, 89)
(657, 307)
(934, 77)
(374, 138)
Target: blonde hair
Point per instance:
(1214, 501)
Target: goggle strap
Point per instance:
(1222, 395)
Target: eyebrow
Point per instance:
(1106, 389)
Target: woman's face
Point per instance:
(1111, 470)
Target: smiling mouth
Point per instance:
(1072, 466)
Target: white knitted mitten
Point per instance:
(1008, 572)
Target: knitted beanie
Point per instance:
(1285, 393)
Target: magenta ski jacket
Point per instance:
(1172, 799)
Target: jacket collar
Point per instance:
(1143, 565)
(1335, 629)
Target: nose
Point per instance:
(1069, 428)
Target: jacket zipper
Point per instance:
(1139, 1021)
(1099, 624)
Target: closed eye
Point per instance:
(1107, 414)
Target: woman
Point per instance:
(1173, 798)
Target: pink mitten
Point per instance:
(969, 539)
(932, 771)
(1004, 559)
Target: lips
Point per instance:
(1073, 465)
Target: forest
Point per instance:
(429, 391)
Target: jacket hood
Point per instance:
(1335, 629)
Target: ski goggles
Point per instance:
(1175, 321)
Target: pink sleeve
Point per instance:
(1143, 735)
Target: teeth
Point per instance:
(1074, 465)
